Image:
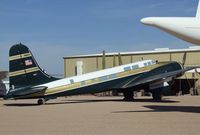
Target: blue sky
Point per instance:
(53, 29)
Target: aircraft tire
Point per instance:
(128, 95)
(41, 101)
(157, 94)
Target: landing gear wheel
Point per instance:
(128, 96)
(157, 94)
(41, 101)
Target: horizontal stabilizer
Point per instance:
(25, 91)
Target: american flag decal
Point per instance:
(28, 62)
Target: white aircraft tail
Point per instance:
(198, 11)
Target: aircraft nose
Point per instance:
(148, 21)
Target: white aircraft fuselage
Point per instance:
(185, 28)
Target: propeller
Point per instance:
(120, 59)
(184, 59)
(104, 60)
(196, 71)
(114, 60)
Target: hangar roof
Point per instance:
(155, 51)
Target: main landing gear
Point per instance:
(128, 95)
(157, 94)
(41, 101)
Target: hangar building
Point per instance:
(189, 83)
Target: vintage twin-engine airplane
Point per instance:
(28, 81)
(185, 28)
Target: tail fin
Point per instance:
(198, 11)
(24, 70)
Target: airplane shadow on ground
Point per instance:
(60, 102)
(85, 101)
(57, 103)
(159, 108)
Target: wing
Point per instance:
(142, 80)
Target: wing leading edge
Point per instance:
(142, 80)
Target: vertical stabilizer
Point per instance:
(198, 11)
(24, 70)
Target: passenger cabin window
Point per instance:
(153, 62)
(71, 81)
(127, 68)
(145, 64)
(103, 78)
(112, 76)
(83, 83)
(135, 67)
(149, 63)
(93, 80)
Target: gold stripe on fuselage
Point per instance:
(96, 80)
(21, 72)
(20, 56)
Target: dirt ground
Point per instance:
(90, 115)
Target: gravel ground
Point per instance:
(89, 115)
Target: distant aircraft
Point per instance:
(185, 28)
(3, 75)
(28, 81)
